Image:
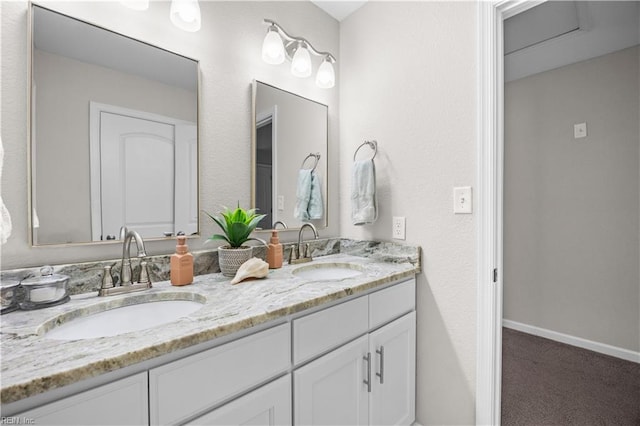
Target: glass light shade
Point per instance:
(301, 62)
(272, 48)
(136, 4)
(185, 14)
(326, 76)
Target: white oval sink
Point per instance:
(124, 319)
(328, 271)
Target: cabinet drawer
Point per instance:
(192, 385)
(123, 402)
(390, 303)
(329, 328)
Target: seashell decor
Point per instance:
(252, 268)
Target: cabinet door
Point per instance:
(268, 405)
(393, 351)
(331, 389)
(123, 402)
(194, 385)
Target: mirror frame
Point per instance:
(31, 124)
(254, 142)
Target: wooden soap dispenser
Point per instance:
(274, 251)
(181, 264)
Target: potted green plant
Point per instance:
(237, 226)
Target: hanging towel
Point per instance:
(364, 209)
(316, 207)
(303, 195)
(5, 218)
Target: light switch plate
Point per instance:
(462, 200)
(580, 130)
(280, 202)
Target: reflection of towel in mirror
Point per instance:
(316, 208)
(308, 196)
(303, 194)
(364, 209)
(5, 218)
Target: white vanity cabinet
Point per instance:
(190, 386)
(371, 379)
(351, 363)
(123, 402)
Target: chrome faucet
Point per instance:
(298, 255)
(126, 285)
(127, 236)
(279, 222)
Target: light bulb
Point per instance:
(326, 76)
(301, 62)
(272, 48)
(136, 4)
(185, 14)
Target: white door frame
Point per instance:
(491, 15)
(262, 119)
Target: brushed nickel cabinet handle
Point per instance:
(368, 381)
(381, 373)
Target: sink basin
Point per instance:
(328, 271)
(120, 320)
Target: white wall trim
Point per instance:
(490, 129)
(568, 339)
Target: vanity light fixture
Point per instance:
(185, 14)
(278, 45)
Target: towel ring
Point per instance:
(317, 158)
(374, 146)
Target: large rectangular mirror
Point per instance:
(114, 136)
(289, 158)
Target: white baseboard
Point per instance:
(602, 348)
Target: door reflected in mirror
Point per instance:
(113, 134)
(289, 158)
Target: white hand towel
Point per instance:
(364, 209)
(5, 218)
(303, 195)
(316, 207)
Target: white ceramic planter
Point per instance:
(230, 259)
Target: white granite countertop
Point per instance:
(32, 364)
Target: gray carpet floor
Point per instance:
(549, 383)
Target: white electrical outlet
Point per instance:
(280, 203)
(462, 200)
(398, 231)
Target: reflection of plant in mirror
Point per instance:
(237, 225)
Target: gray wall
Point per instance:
(409, 81)
(571, 231)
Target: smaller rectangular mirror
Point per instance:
(289, 158)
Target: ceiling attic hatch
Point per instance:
(542, 23)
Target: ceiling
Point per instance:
(339, 9)
(558, 33)
(61, 35)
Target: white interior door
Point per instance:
(186, 177)
(135, 152)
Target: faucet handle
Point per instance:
(144, 274)
(107, 278)
(306, 250)
(292, 255)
